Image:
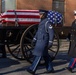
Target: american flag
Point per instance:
(54, 17)
(21, 16)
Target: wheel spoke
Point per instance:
(12, 45)
(18, 52)
(15, 49)
(31, 34)
(52, 50)
(28, 39)
(34, 30)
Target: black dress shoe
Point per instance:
(30, 71)
(69, 69)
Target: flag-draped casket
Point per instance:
(22, 17)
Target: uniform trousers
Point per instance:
(37, 60)
(3, 51)
(72, 63)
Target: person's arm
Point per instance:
(34, 39)
(51, 35)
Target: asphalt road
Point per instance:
(12, 66)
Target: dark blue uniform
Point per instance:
(44, 39)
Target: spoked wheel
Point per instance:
(15, 51)
(27, 47)
(26, 42)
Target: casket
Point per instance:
(22, 17)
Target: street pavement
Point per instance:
(12, 66)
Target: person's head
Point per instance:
(75, 14)
(43, 13)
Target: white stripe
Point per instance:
(23, 19)
(20, 13)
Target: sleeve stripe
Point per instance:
(34, 38)
(50, 41)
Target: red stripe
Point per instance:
(20, 16)
(73, 63)
(21, 22)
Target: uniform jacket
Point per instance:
(72, 47)
(43, 36)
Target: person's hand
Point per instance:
(49, 45)
(33, 42)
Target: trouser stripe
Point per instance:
(73, 63)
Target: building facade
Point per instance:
(66, 7)
(0, 6)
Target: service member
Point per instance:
(44, 39)
(72, 48)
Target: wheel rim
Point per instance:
(15, 51)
